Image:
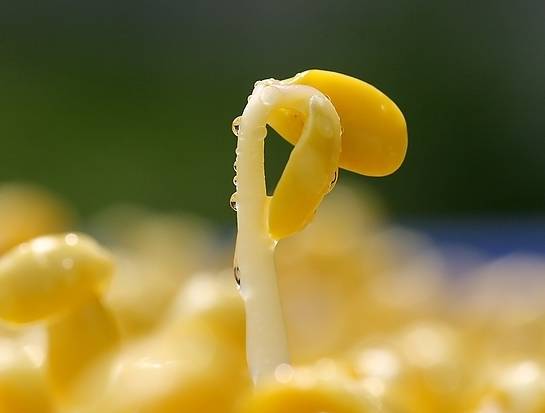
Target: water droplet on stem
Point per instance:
(233, 202)
(235, 126)
(334, 180)
(236, 273)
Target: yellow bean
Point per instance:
(187, 370)
(49, 275)
(305, 390)
(75, 341)
(23, 388)
(309, 172)
(374, 137)
(516, 387)
(212, 300)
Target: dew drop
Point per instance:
(71, 239)
(235, 126)
(235, 180)
(233, 202)
(236, 273)
(283, 373)
(235, 166)
(334, 180)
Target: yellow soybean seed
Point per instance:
(516, 387)
(211, 300)
(309, 171)
(374, 137)
(51, 274)
(76, 340)
(23, 387)
(180, 369)
(304, 391)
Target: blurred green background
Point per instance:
(108, 102)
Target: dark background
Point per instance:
(127, 101)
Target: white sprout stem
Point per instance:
(266, 342)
